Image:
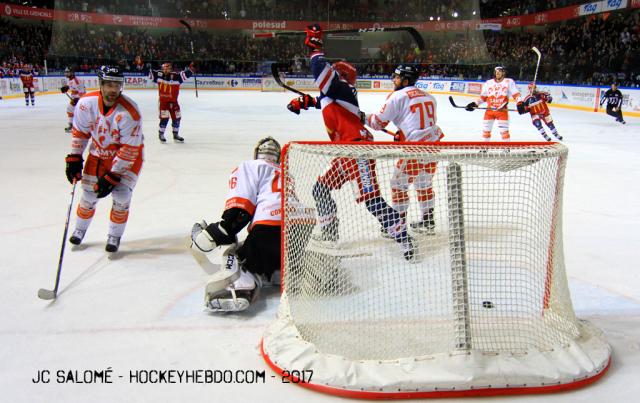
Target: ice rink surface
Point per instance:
(143, 310)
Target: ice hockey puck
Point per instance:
(487, 304)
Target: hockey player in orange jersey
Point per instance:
(108, 122)
(496, 93)
(74, 90)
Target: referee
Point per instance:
(613, 97)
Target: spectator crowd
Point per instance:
(590, 50)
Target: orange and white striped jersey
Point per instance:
(497, 94)
(411, 110)
(76, 88)
(116, 136)
(254, 186)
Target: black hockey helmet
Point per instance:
(268, 147)
(68, 72)
(407, 71)
(110, 73)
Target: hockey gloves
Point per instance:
(64, 89)
(74, 101)
(302, 102)
(314, 37)
(471, 106)
(208, 237)
(522, 109)
(105, 184)
(74, 167)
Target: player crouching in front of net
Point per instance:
(112, 123)
(536, 104)
(343, 120)
(413, 112)
(254, 198)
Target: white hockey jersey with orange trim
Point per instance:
(497, 94)
(254, 186)
(411, 110)
(115, 136)
(76, 88)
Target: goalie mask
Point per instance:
(267, 149)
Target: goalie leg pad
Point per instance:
(235, 297)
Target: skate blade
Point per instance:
(46, 294)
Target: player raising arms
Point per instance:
(342, 118)
(74, 90)
(496, 93)
(26, 76)
(169, 82)
(111, 121)
(536, 104)
(413, 112)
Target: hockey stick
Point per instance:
(410, 30)
(195, 77)
(276, 76)
(453, 103)
(537, 52)
(52, 294)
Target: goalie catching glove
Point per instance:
(207, 237)
(302, 102)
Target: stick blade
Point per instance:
(46, 294)
(537, 52)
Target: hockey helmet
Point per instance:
(167, 66)
(346, 71)
(110, 73)
(500, 68)
(267, 149)
(68, 72)
(408, 72)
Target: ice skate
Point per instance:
(113, 243)
(162, 138)
(427, 225)
(176, 137)
(77, 236)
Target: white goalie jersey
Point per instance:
(254, 186)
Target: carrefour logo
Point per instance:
(234, 83)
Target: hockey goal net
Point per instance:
(481, 308)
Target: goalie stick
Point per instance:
(276, 76)
(52, 294)
(195, 77)
(453, 103)
(410, 30)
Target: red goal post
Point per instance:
(483, 308)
